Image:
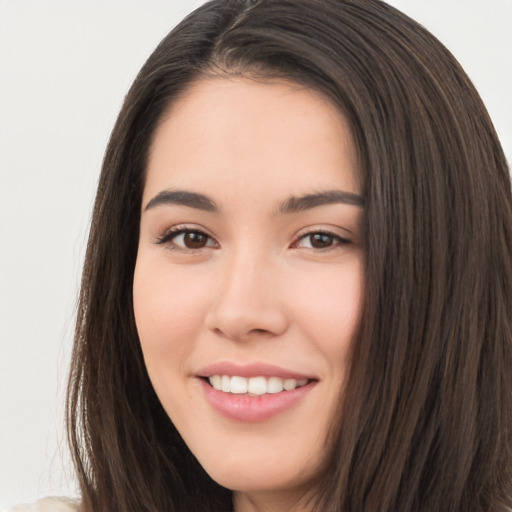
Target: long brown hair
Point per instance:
(425, 421)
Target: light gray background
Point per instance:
(64, 69)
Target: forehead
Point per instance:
(251, 137)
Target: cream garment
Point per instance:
(49, 505)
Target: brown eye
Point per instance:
(321, 240)
(187, 239)
(195, 240)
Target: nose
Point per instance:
(247, 303)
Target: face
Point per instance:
(248, 278)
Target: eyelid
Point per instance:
(339, 239)
(168, 235)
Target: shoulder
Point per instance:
(49, 505)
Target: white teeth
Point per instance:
(289, 384)
(216, 382)
(274, 385)
(225, 384)
(238, 385)
(255, 385)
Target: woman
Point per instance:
(297, 293)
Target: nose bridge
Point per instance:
(248, 268)
(246, 301)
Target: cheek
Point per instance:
(330, 305)
(168, 307)
(329, 308)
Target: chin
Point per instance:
(244, 475)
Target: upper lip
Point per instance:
(256, 369)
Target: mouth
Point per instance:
(254, 392)
(253, 386)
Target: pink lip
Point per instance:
(251, 370)
(253, 408)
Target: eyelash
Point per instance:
(168, 237)
(337, 240)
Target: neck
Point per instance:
(270, 501)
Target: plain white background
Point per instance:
(65, 67)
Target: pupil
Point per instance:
(320, 240)
(195, 240)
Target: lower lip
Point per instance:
(254, 408)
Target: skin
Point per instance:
(256, 286)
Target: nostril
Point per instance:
(237, 320)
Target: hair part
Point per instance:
(425, 420)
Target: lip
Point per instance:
(251, 409)
(252, 370)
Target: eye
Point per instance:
(319, 240)
(186, 239)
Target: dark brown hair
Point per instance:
(425, 421)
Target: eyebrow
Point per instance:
(306, 202)
(291, 205)
(184, 198)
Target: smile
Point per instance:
(254, 392)
(254, 386)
